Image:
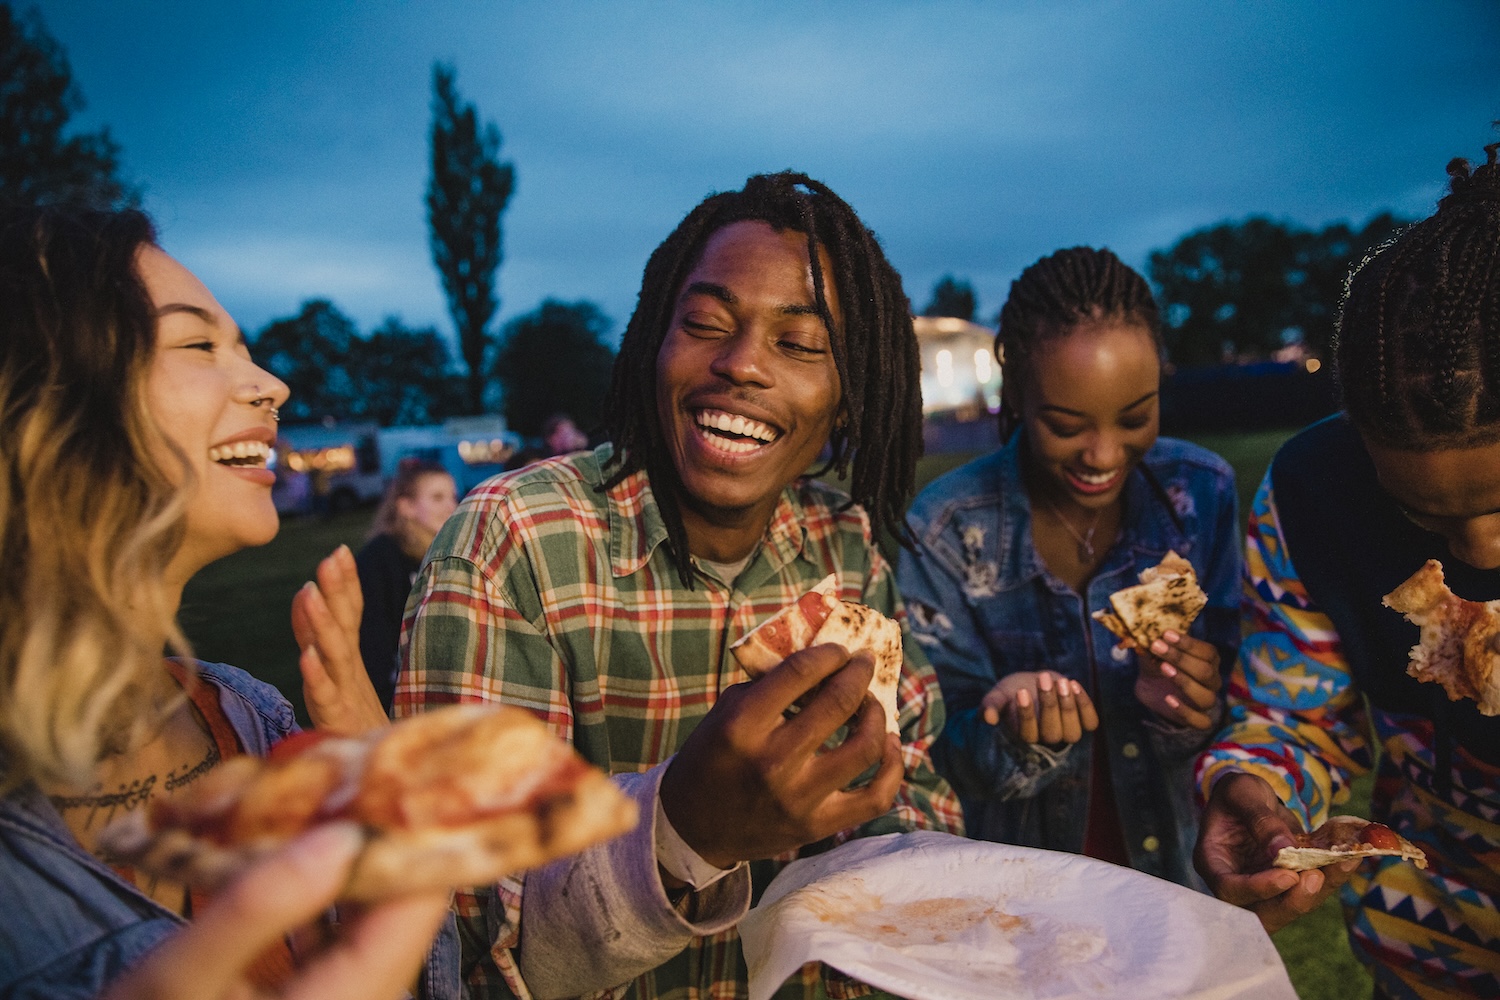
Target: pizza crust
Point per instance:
(1168, 598)
(1343, 838)
(1457, 647)
(456, 797)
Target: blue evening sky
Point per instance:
(283, 145)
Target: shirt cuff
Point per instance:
(679, 860)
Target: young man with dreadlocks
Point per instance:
(1057, 737)
(602, 590)
(1349, 509)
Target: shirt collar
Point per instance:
(636, 526)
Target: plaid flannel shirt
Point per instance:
(544, 592)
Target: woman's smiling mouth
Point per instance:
(1093, 482)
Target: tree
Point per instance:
(951, 297)
(311, 353)
(466, 194)
(404, 376)
(555, 360)
(1247, 289)
(38, 164)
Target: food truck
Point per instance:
(960, 384)
(333, 466)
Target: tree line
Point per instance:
(1236, 290)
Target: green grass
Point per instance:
(238, 611)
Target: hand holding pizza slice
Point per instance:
(1346, 837)
(818, 617)
(456, 797)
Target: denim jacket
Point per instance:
(983, 605)
(71, 925)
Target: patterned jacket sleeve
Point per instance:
(1295, 717)
(925, 801)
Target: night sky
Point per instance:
(283, 146)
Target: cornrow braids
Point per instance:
(875, 351)
(1055, 295)
(1418, 339)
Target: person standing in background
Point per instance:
(421, 496)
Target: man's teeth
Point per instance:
(240, 453)
(1096, 478)
(733, 423)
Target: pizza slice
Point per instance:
(1167, 598)
(1459, 638)
(456, 797)
(1345, 837)
(818, 616)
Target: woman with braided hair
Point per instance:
(1057, 737)
(1350, 508)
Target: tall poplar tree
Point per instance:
(466, 194)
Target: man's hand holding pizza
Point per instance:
(1244, 826)
(1040, 707)
(750, 783)
(1179, 679)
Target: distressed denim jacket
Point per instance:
(71, 925)
(983, 605)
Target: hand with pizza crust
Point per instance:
(1179, 680)
(1244, 826)
(1040, 707)
(340, 699)
(750, 784)
(377, 953)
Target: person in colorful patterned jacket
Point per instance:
(1349, 509)
(1058, 737)
(602, 590)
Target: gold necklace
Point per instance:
(1086, 551)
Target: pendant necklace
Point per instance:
(1086, 552)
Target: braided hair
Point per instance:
(1056, 294)
(875, 352)
(1418, 340)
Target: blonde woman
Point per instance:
(420, 498)
(134, 430)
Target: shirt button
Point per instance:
(1151, 843)
(1119, 653)
(1131, 752)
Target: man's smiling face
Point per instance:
(746, 387)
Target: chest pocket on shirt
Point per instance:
(1013, 651)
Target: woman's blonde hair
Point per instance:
(404, 485)
(90, 515)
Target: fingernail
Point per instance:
(1170, 636)
(1168, 670)
(1172, 702)
(1160, 648)
(991, 716)
(1023, 698)
(1077, 688)
(1044, 681)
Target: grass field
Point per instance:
(236, 611)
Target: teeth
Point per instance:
(240, 453)
(1096, 479)
(732, 423)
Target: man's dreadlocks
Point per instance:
(875, 351)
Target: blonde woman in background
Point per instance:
(134, 430)
(420, 498)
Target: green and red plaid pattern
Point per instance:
(547, 593)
